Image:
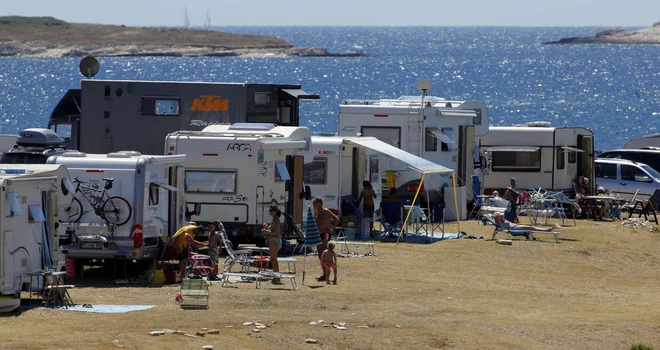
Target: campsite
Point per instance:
(597, 289)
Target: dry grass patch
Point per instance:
(596, 290)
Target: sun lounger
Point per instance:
(195, 294)
(528, 234)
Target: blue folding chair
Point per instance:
(390, 216)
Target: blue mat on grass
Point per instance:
(109, 309)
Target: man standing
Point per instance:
(326, 222)
(181, 242)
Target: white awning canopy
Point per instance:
(416, 163)
(441, 135)
(457, 113)
(572, 149)
(512, 149)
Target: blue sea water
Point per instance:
(614, 90)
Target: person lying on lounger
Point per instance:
(506, 224)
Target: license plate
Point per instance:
(91, 245)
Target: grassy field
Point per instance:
(55, 31)
(598, 289)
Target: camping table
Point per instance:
(55, 293)
(31, 277)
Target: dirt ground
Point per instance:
(597, 289)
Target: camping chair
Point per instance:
(390, 216)
(242, 257)
(201, 265)
(479, 200)
(644, 207)
(528, 234)
(194, 294)
(291, 231)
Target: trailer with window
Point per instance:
(432, 128)
(237, 171)
(33, 195)
(112, 115)
(538, 155)
(153, 189)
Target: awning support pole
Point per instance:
(421, 182)
(458, 215)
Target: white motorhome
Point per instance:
(537, 155)
(153, 188)
(33, 198)
(433, 128)
(339, 168)
(237, 171)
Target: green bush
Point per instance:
(640, 346)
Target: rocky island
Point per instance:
(616, 36)
(51, 37)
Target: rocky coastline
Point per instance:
(41, 49)
(648, 36)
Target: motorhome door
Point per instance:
(587, 160)
(296, 194)
(373, 169)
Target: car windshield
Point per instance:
(23, 158)
(651, 172)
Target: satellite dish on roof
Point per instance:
(89, 66)
(424, 85)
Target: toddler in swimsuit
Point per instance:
(329, 259)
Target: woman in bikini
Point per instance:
(508, 225)
(274, 238)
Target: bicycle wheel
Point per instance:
(117, 210)
(75, 211)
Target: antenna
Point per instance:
(423, 85)
(89, 66)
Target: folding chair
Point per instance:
(242, 257)
(390, 217)
(646, 208)
(194, 294)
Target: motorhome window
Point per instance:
(389, 135)
(606, 170)
(522, 161)
(160, 106)
(315, 173)
(477, 119)
(281, 172)
(35, 214)
(374, 169)
(561, 158)
(211, 181)
(633, 173)
(572, 157)
(451, 146)
(107, 90)
(431, 141)
(154, 194)
(63, 130)
(261, 98)
(14, 204)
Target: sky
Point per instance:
(519, 13)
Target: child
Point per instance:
(329, 261)
(215, 241)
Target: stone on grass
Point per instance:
(341, 328)
(229, 326)
(258, 324)
(200, 334)
(256, 330)
(313, 323)
(169, 331)
(342, 324)
(247, 323)
(311, 341)
(190, 335)
(397, 326)
(505, 241)
(207, 347)
(204, 329)
(179, 332)
(156, 333)
(213, 331)
(363, 326)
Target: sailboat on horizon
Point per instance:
(186, 20)
(207, 21)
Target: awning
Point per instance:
(301, 95)
(166, 186)
(284, 172)
(440, 135)
(572, 149)
(456, 113)
(512, 149)
(419, 164)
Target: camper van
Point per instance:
(537, 155)
(237, 171)
(34, 197)
(110, 115)
(651, 141)
(151, 201)
(433, 128)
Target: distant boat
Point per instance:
(186, 20)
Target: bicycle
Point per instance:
(114, 210)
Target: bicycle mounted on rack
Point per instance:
(114, 210)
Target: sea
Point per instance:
(613, 90)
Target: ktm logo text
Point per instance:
(209, 103)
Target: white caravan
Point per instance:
(651, 141)
(153, 189)
(438, 130)
(537, 155)
(339, 168)
(235, 172)
(32, 196)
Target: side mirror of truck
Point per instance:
(197, 209)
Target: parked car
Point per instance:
(625, 177)
(34, 146)
(649, 155)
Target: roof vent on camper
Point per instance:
(39, 137)
(74, 154)
(119, 155)
(131, 153)
(252, 126)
